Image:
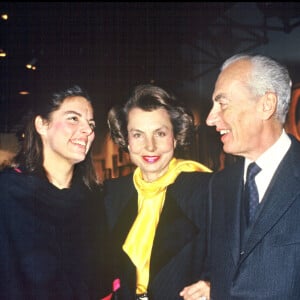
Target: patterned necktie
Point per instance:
(250, 192)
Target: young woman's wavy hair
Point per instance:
(30, 157)
(148, 98)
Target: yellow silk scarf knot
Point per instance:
(151, 196)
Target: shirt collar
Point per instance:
(271, 158)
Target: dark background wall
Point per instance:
(110, 47)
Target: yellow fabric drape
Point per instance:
(151, 196)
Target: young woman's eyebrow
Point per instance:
(76, 113)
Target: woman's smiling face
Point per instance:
(68, 136)
(151, 141)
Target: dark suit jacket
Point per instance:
(179, 247)
(266, 265)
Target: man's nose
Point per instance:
(212, 117)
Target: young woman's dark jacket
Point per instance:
(52, 241)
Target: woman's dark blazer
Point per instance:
(179, 247)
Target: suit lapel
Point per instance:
(125, 212)
(126, 220)
(233, 197)
(280, 195)
(167, 243)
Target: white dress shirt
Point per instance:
(268, 162)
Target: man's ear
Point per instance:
(40, 125)
(269, 105)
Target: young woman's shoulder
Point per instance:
(9, 176)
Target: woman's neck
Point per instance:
(59, 177)
(61, 182)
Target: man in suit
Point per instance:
(258, 258)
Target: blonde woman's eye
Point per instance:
(161, 134)
(136, 135)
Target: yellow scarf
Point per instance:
(151, 196)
